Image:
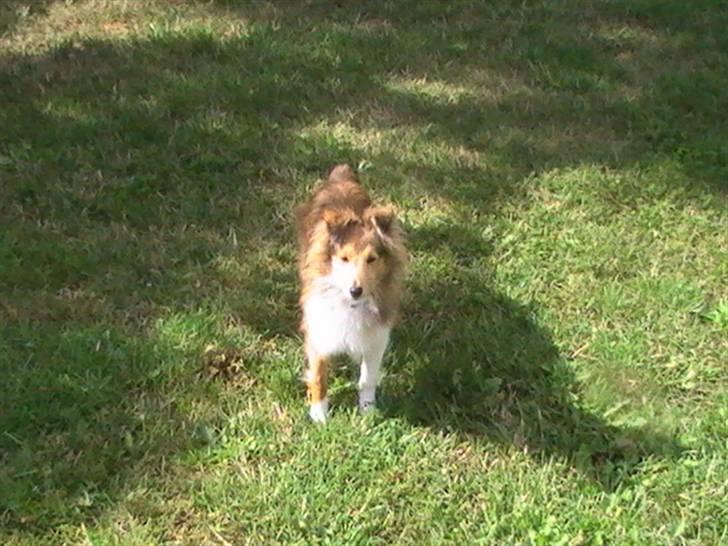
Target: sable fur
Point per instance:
(344, 239)
(340, 211)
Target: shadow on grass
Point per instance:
(14, 11)
(155, 176)
(82, 408)
(470, 361)
(566, 85)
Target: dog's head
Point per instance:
(366, 251)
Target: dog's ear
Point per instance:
(342, 173)
(339, 223)
(382, 220)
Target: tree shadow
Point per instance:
(471, 361)
(13, 11)
(566, 86)
(141, 192)
(80, 414)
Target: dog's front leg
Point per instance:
(370, 372)
(316, 382)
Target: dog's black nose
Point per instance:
(356, 291)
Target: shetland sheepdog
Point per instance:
(351, 268)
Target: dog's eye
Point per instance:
(344, 259)
(370, 259)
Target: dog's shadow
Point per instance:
(470, 361)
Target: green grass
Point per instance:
(560, 167)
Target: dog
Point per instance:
(351, 264)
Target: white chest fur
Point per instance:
(335, 325)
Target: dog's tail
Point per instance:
(342, 173)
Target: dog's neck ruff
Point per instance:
(336, 324)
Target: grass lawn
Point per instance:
(561, 373)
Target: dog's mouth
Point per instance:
(360, 302)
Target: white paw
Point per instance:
(367, 399)
(319, 411)
(365, 408)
